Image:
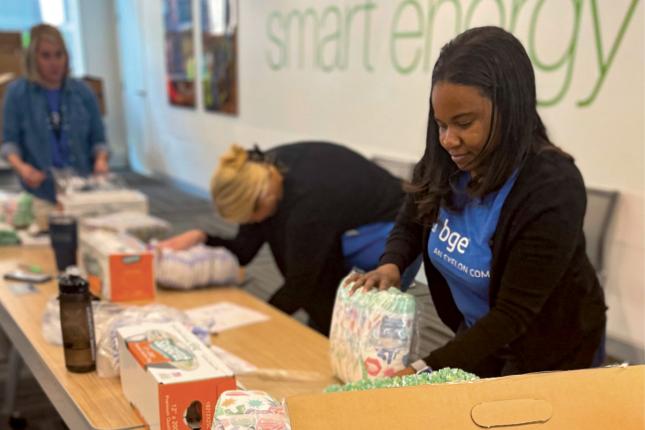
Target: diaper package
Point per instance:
(249, 410)
(196, 267)
(372, 333)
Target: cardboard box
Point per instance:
(11, 63)
(10, 42)
(605, 398)
(11, 59)
(96, 85)
(5, 80)
(118, 267)
(166, 371)
(83, 204)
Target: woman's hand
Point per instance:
(101, 166)
(32, 176)
(406, 371)
(383, 277)
(184, 241)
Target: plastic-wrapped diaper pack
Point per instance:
(196, 267)
(16, 209)
(372, 333)
(249, 410)
(108, 317)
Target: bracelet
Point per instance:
(420, 366)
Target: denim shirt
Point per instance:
(26, 129)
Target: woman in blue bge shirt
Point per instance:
(497, 211)
(51, 120)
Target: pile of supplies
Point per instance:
(96, 195)
(143, 226)
(108, 318)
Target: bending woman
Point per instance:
(302, 199)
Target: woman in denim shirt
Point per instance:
(51, 120)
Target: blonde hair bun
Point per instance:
(234, 158)
(237, 183)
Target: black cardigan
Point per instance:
(328, 189)
(545, 298)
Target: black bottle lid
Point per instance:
(72, 284)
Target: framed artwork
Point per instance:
(219, 43)
(180, 52)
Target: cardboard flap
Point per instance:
(507, 413)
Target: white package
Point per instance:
(196, 267)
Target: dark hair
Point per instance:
(259, 156)
(495, 62)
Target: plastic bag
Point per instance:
(142, 226)
(196, 267)
(16, 209)
(108, 317)
(249, 410)
(69, 181)
(372, 333)
(8, 235)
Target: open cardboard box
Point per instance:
(170, 377)
(119, 267)
(605, 398)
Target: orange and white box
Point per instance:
(118, 266)
(170, 376)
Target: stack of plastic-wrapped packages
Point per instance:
(140, 225)
(196, 267)
(372, 333)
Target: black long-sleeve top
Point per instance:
(328, 189)
(545, 298)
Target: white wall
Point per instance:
(100, 55)
(367, 104)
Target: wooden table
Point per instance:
(87, 401)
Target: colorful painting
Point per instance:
(219, 40)
(180, 52)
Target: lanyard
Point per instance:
(56, 117)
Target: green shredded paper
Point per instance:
(440, 376)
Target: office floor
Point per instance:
(185, 211)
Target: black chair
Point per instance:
(600, 209)
(399, 168)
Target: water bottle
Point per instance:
(77, 323)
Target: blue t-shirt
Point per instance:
(59, 144)
(459, 247)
